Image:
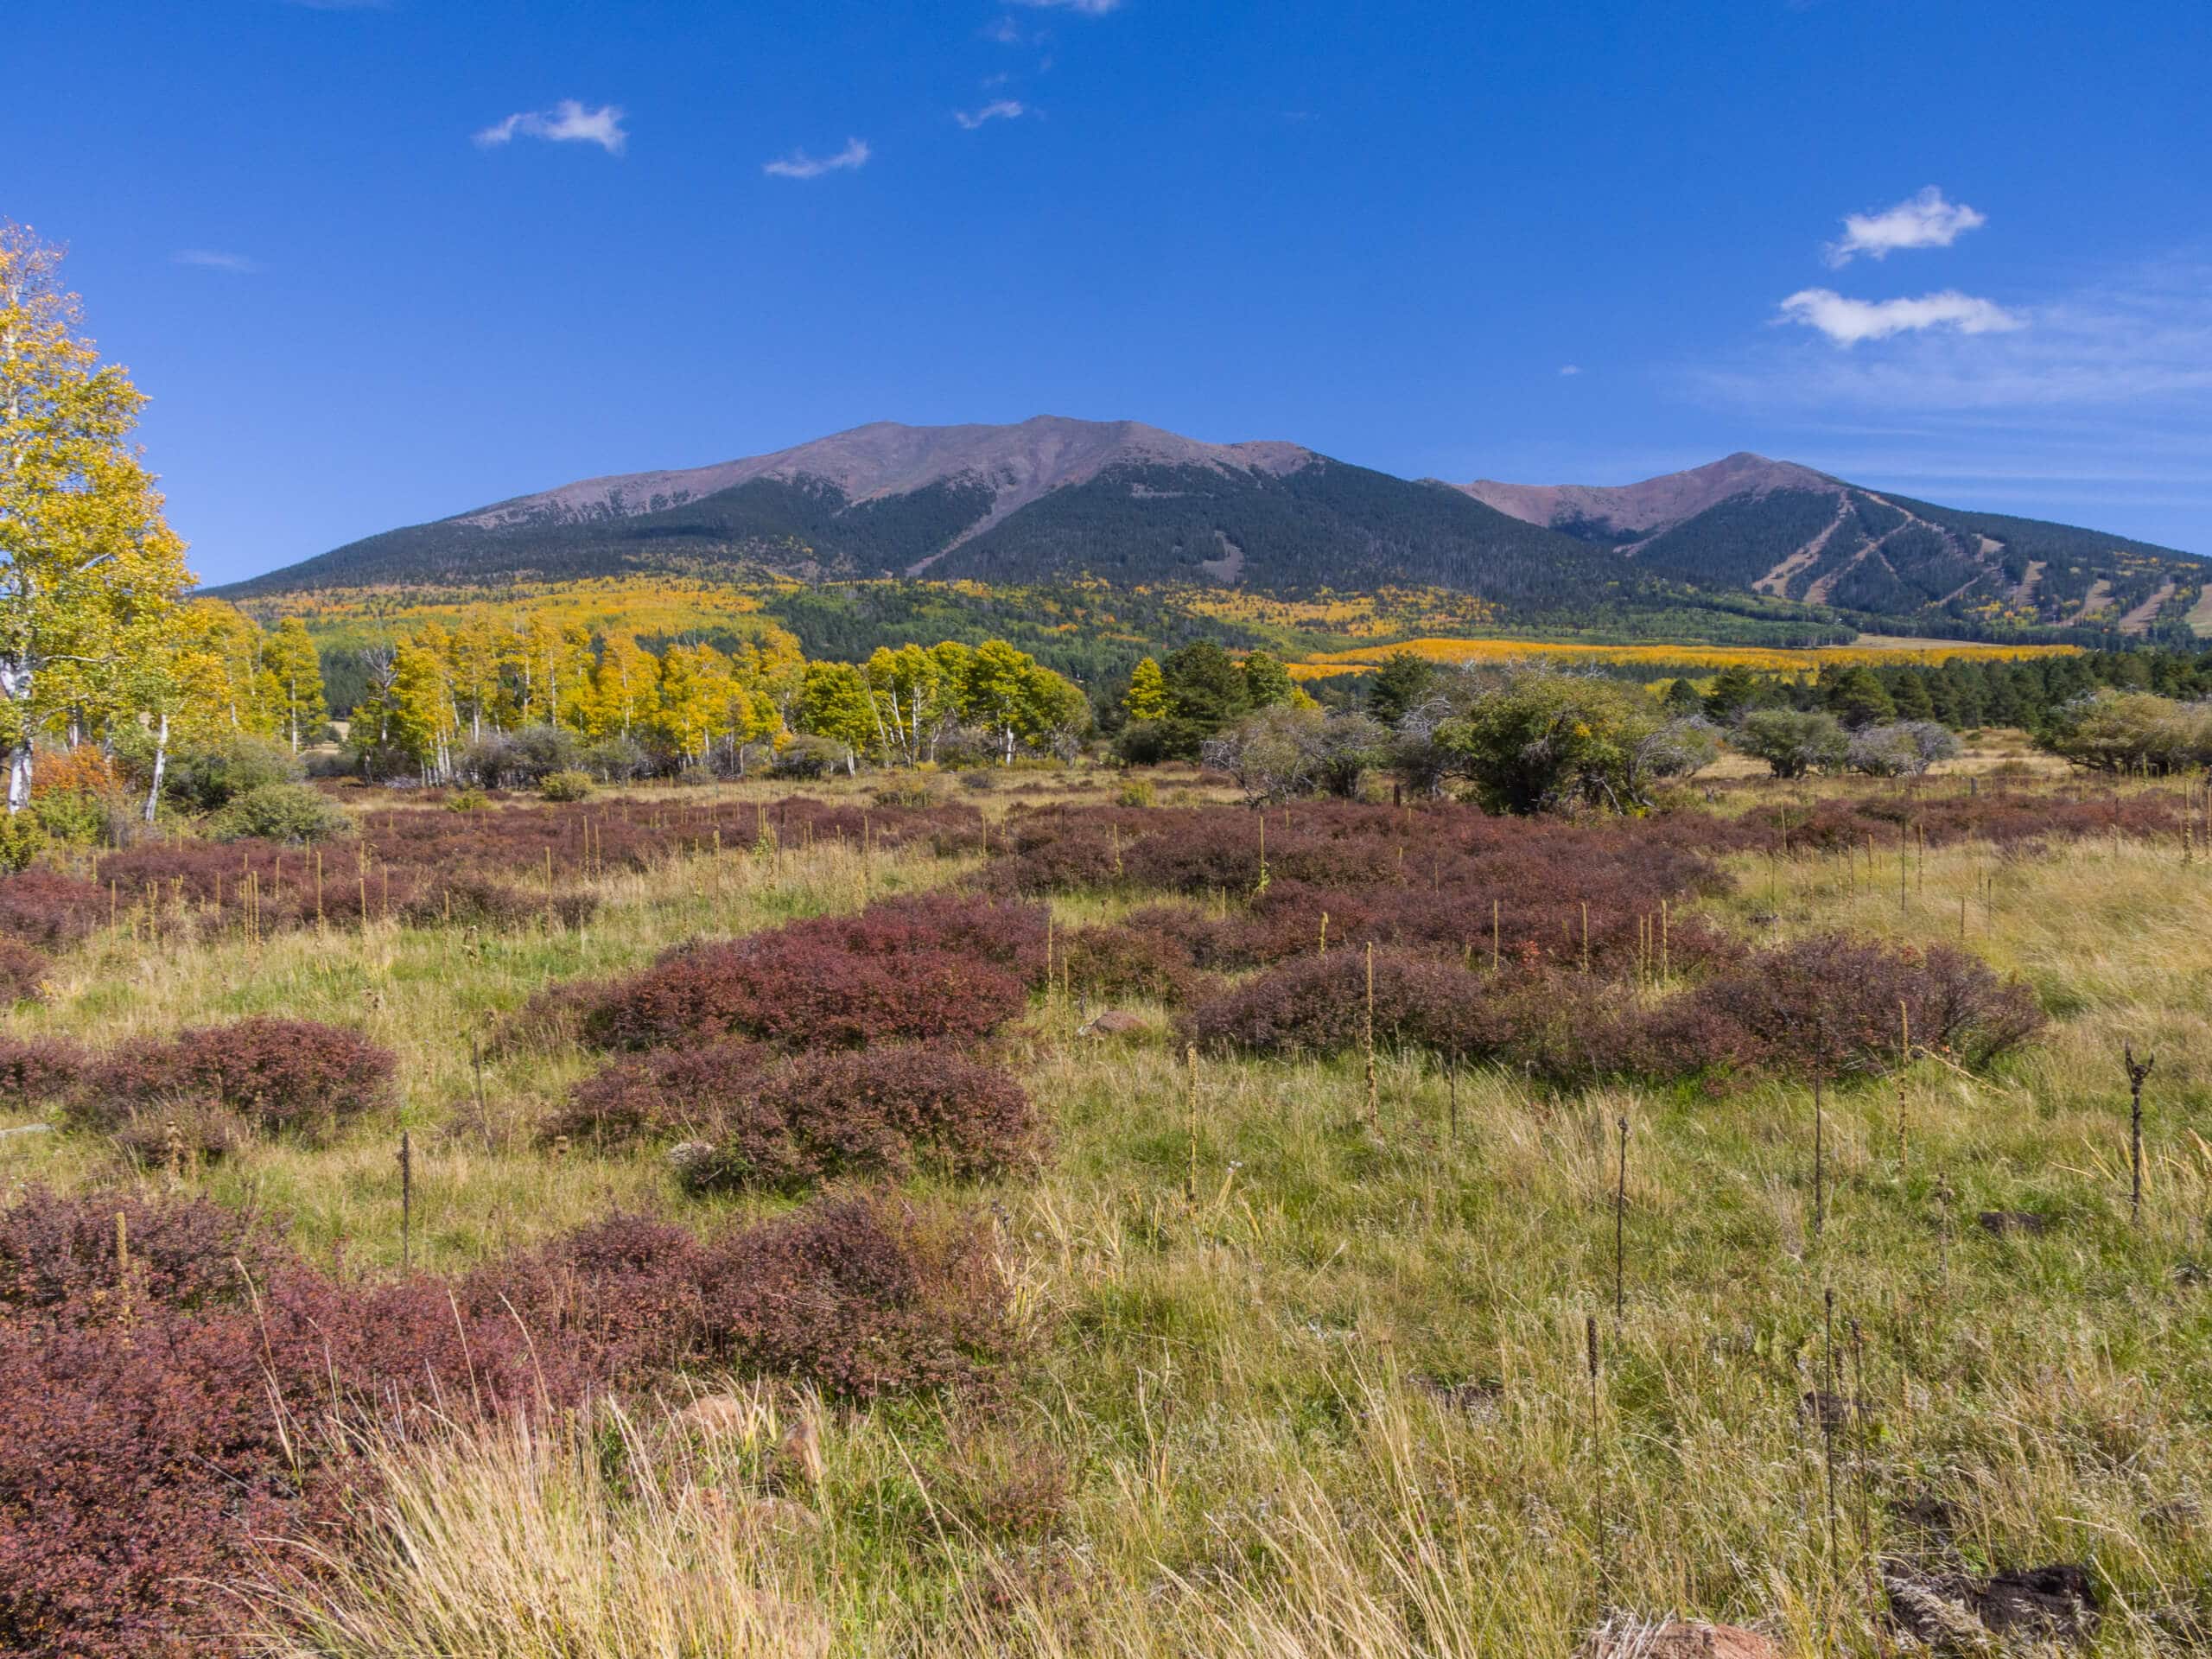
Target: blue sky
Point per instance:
(380, 263)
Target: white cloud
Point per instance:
(1570, 368)
(1088, 7)
(1925, 220)
(1005, 32)
(1004, 108)
(238, 264)
(567, 122)
(2097, 411)
(800, 165)
(1848, 321)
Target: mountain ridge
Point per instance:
(1054, 498)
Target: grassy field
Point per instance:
(1302, 1384)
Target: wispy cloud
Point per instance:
(2097, 409)
(1570, 368)
(1088, 7)
(1925, 220)
(236, 264)
(566, 122)
(800, 165)
(1005, 32)
(1848, 321)
(1004, 108)
(340, 5)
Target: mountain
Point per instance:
(1787, 532)
(1049, 500)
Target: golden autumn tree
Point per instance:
(294, 669)
(89, 572)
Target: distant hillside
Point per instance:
(1785, 530)
(1051, 500)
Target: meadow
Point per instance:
(1033, 1218)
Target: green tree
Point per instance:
(1266, 682)
(1680, 700)
(1402, 683)
(1793, 742)
(1855, 697)
(1206, 691)
(90, 573)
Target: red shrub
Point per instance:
(58, 1255)
(1318, 1005)
(1113, 962)
(156, 1434)
(1832, 1006)
(868, 1111)
(804, 994)
(46, 909)
(863, 1296)
(38, 1069)
(280, 1074)
(23, 973)
(1008, 934)
(682, 1091)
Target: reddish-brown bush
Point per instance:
(805, 994)
(159, 1429)
(46, 909)
(874, 1111)
(279, 1074)
(1318, 1005)
(35, 1069)
(23, 973)
(864, 1296)
(1123, 962)
(681, 1091)
(1832, 1006)
(58, 1257)
(1009, 934)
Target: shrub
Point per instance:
(35, 1069)
(58, 1255)
(468, 799)
(684, 1091)
(876, 1111)
(1906, 748)
(1114, 962)
(565, 785)
(809, 756)
(279, 1074)
(1791, 743)
(805, 994)
(863, 1296)
(1318, 1005)
(293, 814)
(47, 909)
(208, 776)
(78, 796)
(23, 973)
(1831, 1006)
(908, 789)
(1135, 793)
(22, 840)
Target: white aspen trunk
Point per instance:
(161, 765)
(16, 688)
